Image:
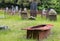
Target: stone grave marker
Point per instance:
(33, 9)
(24, 15)
(44, 12)
(16, 9)
(52, 15)
(6, 10)
(13, 10)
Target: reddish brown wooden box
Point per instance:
(38, 32)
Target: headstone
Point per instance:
(44, 12)
(6, 10)
(24, 15)
(16, 8)
(25, 9)
(52, 15)
(23, 12)
(13, 10)
(33, 9)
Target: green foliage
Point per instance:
(40, 8)
(44, 3)
(51, 4)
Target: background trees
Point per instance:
(50, 4)
(41, 3)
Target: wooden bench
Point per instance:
(38, 32)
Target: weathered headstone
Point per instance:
(23, 12)
(52, 15)
(24, 15)
(33, 9)
(13, 10)
(6, 9)
(16, 9)
(44, 12)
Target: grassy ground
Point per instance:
(15, 24)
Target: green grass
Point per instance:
(16, 34)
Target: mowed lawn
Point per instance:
(15, 24)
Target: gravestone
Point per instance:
(13, 10)
(24, 15)
(52, 15)
(23, 11)
(44, 12)
(33, 9)
(16, 9)
(6, 9)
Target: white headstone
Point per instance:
(16, 8)
(52, 11)
(44, 11)
(6, 9)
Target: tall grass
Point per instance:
(14, 33)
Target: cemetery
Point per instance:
(29, 20)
